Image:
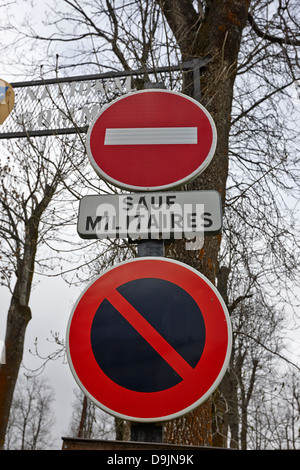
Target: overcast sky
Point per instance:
(52, 299)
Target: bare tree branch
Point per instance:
(270, 37)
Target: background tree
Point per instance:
(278, 414)
(88, 421)
(31, 417)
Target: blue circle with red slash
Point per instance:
(126, 356)
(149, 340)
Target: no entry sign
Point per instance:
(151, 140)
(149, 340)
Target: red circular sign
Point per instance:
(151, 140)
(113, 316)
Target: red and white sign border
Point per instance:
(172, 185)
(196, 403)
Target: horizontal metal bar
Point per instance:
(197, 63)
(45, 132)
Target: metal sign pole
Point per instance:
(146, 432)
(149, 432)
(151, 248)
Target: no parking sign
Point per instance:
(149, 340)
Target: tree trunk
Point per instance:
(17, 321)
(19, 313)
(218, 36)
(81, 428)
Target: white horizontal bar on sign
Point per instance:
(151, 136)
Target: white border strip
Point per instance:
(151, 136)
